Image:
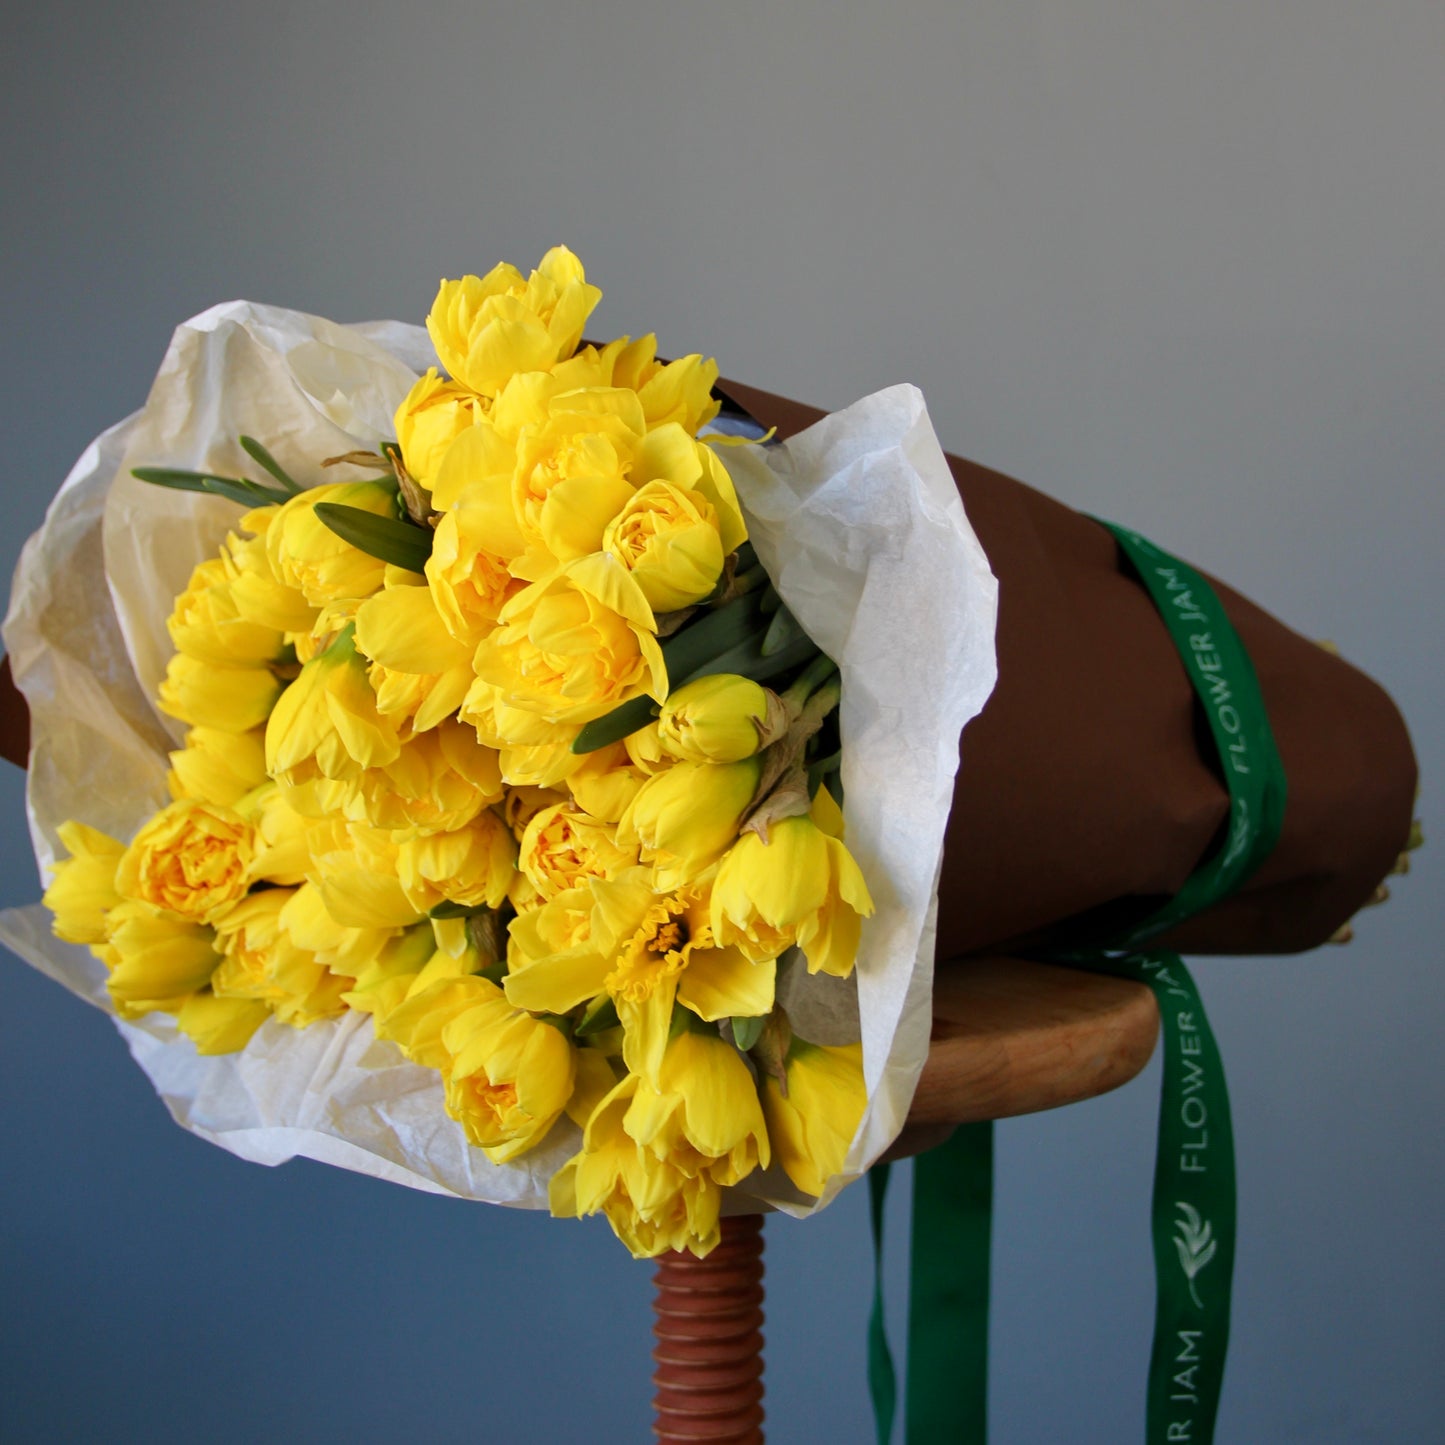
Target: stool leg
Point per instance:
(709, 1352)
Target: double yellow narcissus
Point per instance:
(800, 886)
(487, 329)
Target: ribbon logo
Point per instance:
(1195, 1242)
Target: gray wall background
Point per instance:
(1176, 264)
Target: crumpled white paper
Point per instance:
(860, 526)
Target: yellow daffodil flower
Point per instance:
(678, 392)
(430, 418)
(400, 629)
(469, 583)
(220, 1025)
(652, 1204)
(192, 860)
(261, 961)
(208, 625)
(83, 890)
(488, 328)
(218, 767)
(155, 959)
(812, 1125)
(230, 699)
(326, 724)
(472, 866)
(354, 867)
(562, 846)
(686, 818)
(307, 555)
(802, 886)
(439, 782)
(571, 648)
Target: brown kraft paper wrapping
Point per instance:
(1086, 793)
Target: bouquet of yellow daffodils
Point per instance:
(507, 772)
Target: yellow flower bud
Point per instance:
(220, 1025)
(156, 959)
(719, 719)
(192, 860)
(488, 328)
(812, 1125)
(261, 596)
(218, 767)
(83, 890)
(685, 819)
(230, 699)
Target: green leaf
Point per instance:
(747, 660)
(234, 489)
(612, 727)
(747, 1031)
(399, 543)
(259, 454)
(600, 1015)
(782, 630)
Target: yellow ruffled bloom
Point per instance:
(562, 846)
(802, 886)
(678, 392)
(686, 818)
(703, 1112)
(156, 960)
(385, 976)
(354, 867)
(652, 1204)
(698, 1129)
(488, 328)
(472, 867)
(192, 860)
(571, 648)
(263, 963)
(717, 719)
(439, 782)
(259, 592)
(812, 1125)
(83, 890)
(508, 1075)
(430, 418)
(208, 624)
(469, 583)
(401, 630)
(220, 1025)
(646, 950)
(326, 724)
(343, 948)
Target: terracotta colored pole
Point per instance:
(709, 1351)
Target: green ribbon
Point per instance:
(1194, 1210)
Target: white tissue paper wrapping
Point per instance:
(858, 523)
